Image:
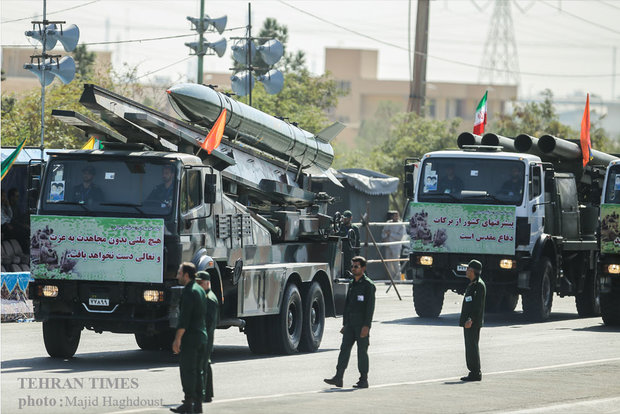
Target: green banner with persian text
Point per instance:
(462, 228)
(610, 228)
(97, 248)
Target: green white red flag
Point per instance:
(586, 144)
(480, 119)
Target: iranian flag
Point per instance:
(480, 120)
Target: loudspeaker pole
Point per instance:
(417, 93)
(250, 53)
(43, 84)
(199, 51)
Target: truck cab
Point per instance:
(609, 260)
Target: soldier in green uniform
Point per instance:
(357, 319)
(213, 314)
(350, 235)
(190, 340)
(472, 319)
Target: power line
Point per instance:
(162, 68)
(545, 75)
(54, 12)
(590, 22)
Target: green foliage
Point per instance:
(84, 60)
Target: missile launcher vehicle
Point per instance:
(525, 207)
(112, 225)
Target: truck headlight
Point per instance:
(507, 264)
(613, 269)
(153, 295)
(48, 291)
(425, 260)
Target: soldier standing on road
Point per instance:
(358, 311)
(190, 340)
(213, 313)
(472, 319)
(350, 235)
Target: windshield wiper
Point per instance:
(489, 196)
(71, 203)
(136, 206)
(452, 196)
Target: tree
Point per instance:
(84, 60)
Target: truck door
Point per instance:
(535, 203)
(191, 207)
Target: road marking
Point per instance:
(428, 381)
(566, 407)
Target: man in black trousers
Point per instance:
(472, 319)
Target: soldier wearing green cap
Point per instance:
(213, 313)
(350, 235)
(472, 319)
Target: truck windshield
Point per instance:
(612, 192)
(129, 186)
(472, 181)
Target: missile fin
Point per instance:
(329, 133)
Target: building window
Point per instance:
(459, 107)
(432, 108)
(344, 86)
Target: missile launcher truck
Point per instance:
(609, 259)
(112, 225)
(524, 207)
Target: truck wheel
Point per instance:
(257, 335)
(428, 300)
(610, 309)
(589, 300)
(509, 302)
(147, 342)
(165, 339)
(538, 300)
(61, 338)
(493, 302)
(314, 319)
(287, 326)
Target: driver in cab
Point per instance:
(163, 193)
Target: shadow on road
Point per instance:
(230, 353)
(104, 361)
(491, 320)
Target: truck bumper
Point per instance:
(125, 309)
(449, 270)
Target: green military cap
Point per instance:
(347, 213)
(476, 265)
(202, 275)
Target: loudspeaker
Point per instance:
(218, 47)
(240, 83)
(240, 52)
(273, 81)
(39, 70)
(64, 70)
(271, 51)
(67, 36)
(219, 23)
(50, 42)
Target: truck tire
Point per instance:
(589, 300)
(165, 339)
(286, 327)
(509, 302)
(147, 342)
(257, 335)
(610, 309)
(538, 300)
(314, 319)
(61, 338)
(428, 300)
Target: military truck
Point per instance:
(609, 259)
(524, 207)
(112, 225)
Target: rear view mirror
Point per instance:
(210, 188)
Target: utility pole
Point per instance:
(200, 51)
(417, 92)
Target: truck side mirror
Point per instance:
(410, 180)
(210, 188)
(35, 172)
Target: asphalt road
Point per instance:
(566, 365)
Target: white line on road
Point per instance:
(429, 381)
(569, 407)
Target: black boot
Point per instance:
(336, 380)
(362, 382)
(472, 377)
(186, 407)
(197, 407)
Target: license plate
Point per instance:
(461, 268)
(98, 302)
